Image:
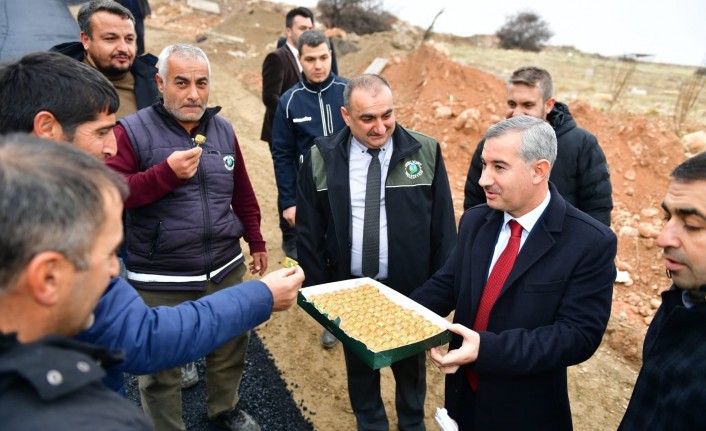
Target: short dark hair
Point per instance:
(88, 9)
(298, 11)
(312, 38)
(51, 199)
(532, 75)
(72, 91)
(366, 81)
(693, 169)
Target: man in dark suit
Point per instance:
(541, 310)
(280, 72)
(669, 393)
(281, 68)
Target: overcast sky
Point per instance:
(673, 31)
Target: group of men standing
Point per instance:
(528, 276)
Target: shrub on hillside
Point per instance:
(357, 16)
(526, 31)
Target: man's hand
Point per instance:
(284, 285)
(258, 264)
(185, 162)
(290, 214)
(466, 354)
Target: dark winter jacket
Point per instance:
(55, 384)
(193, 230)
(669, 393)
(158, 338)
(305, 112)
(580, 172)
(146, 92)
(421, 227)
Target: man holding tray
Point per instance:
(374, 201)
(531, 313)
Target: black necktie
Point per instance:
(371, 220)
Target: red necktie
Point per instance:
(494, 285)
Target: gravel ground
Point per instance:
(263, 394)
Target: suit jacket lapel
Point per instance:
(540, 240)
(485, 240)
(292, 61)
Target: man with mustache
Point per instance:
(416, 228)
(191, 201)
(108, 44)
(54, 97)
(310, 109)
(669, 392)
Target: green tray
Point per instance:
(374, 360)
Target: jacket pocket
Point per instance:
(552, 286)
(154, 245)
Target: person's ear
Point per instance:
(46, 126)
(540, 171)
(85, 40)
(47, 273)
(345, 115)
(160, 83)
(548, 106)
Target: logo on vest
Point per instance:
(301, 120)
(229, 162)
(413, 169)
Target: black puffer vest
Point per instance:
(193, 230)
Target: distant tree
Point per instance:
(526, 31)
(357, 16)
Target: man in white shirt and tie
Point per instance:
(415, 227)
(515, 337)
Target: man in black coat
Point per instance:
(580, 173)
(518, 326)
(108, 44)
(669, 393)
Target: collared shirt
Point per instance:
(358, 174)
(527, 222)
(295, 51)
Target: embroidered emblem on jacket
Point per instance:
(413, 169)
(301, 120)
(229, 162)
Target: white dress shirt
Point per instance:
(527, 222)
(359, 160)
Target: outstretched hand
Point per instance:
(284, 285)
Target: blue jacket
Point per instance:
(305, 112)
(159, 338)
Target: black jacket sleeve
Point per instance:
(473, 193)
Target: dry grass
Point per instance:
(652, 89)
